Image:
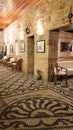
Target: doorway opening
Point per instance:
(30, 53)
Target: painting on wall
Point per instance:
(5, 50)
(65, 47)
(40, 46)
(11, 49)
(22, 47)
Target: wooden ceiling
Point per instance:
(11, 9)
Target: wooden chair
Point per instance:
(17, 65)
(10, 61)
(5, 60)
(59, 72)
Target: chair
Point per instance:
(11, 60)
(17, 65)
(59, 72)
(5, 60)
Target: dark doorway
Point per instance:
(30, 52)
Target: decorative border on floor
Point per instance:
(37, 113)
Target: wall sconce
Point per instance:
(70, 15)
(27, 30)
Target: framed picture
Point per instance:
(65, 47)
(40, 46)
(11, 48)
(22, 47)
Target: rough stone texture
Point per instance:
(42, 17)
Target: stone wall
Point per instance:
(1, 41)
(40, 19)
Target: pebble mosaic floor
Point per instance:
(30, 104)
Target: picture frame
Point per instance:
(11, 49)
(65, 47)
(22, 47)
(40, 46)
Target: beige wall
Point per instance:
(42, 17)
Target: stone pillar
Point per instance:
(53, 49)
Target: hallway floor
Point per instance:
(28, 104)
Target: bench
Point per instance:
(68, 65)
(63, 68)
(59, 72)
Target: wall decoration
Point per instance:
(5, 50)
(22, 47)
(41, 46)
(65, 47)
(27, 30)
(11, 49)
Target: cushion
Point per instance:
(66, 64)
(62, 73)
(12, 60)
(70, 71)
(5, 57)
